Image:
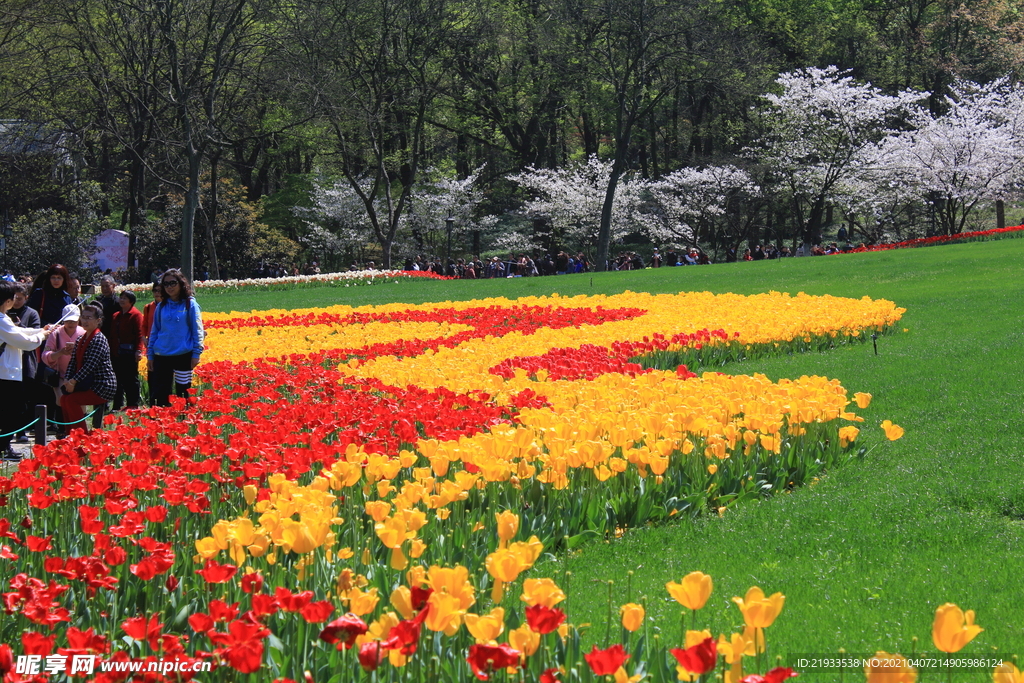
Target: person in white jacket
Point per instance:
(13, 393)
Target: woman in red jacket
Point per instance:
(126, 348)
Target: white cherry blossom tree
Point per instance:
(968, 156)
(690, 204)
(571, 199)
(816, 131)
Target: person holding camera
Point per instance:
(13, 341)
(56, 356)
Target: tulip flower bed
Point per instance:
(348, 278)
(368, 490)
(958, 238)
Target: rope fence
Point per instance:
(68, 424)
(20, 429)
(42, 421)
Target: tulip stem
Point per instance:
(757, 650)
(608, 628)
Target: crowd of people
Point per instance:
(560, 263)
(67, 351)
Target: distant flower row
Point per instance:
(351, 278)
(1015, 231)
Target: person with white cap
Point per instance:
(13, 340)
(58, 348)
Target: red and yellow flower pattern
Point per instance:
(355, 470)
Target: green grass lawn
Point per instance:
(865, 556)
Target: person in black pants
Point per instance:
(13, 341)
(176, 340)
(24, 316)
(126, 351)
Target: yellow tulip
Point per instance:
(693, 591)
(508, 526)
(401, 600)
(621, 676)
(455, 582)
(542, 592)
(735, 647)
(892, 431)
(361, 603)
(733, 650)
(863, 400)
(207, 548)
(953, 628)
(249, 491)
(505, 565)
(524, 639)
(889, 668)
(486, 627)
(1007, 673)
(444, 613)
(847, 435)
(392, 531)
(377, 509)
(259, 546)
(759, 611)
(632, 616)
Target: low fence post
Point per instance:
(40, 425)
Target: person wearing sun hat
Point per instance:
(58, 348)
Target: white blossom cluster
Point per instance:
(827, 140)
(347, 278)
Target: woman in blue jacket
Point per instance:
(175, 340)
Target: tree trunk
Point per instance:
(604, 235)
(136, 205)
(1000, 215)
(188, 212)
(211, 219)
(812, 233)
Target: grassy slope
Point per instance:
(866, 555)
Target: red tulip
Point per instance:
(200, 622)
(544, 619)
(419, 597)
(243, 643)
(606, 662)
(222, 611)
(405, 636)
(33, 643)
(776, 675)
(370, 655)
(38, 544)
(698, 659)
(317, 612)
(550, 676)
(140, 628)
(343, 631)
(217, 573)
(252, 582)
(6, 660)
(486, 658)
